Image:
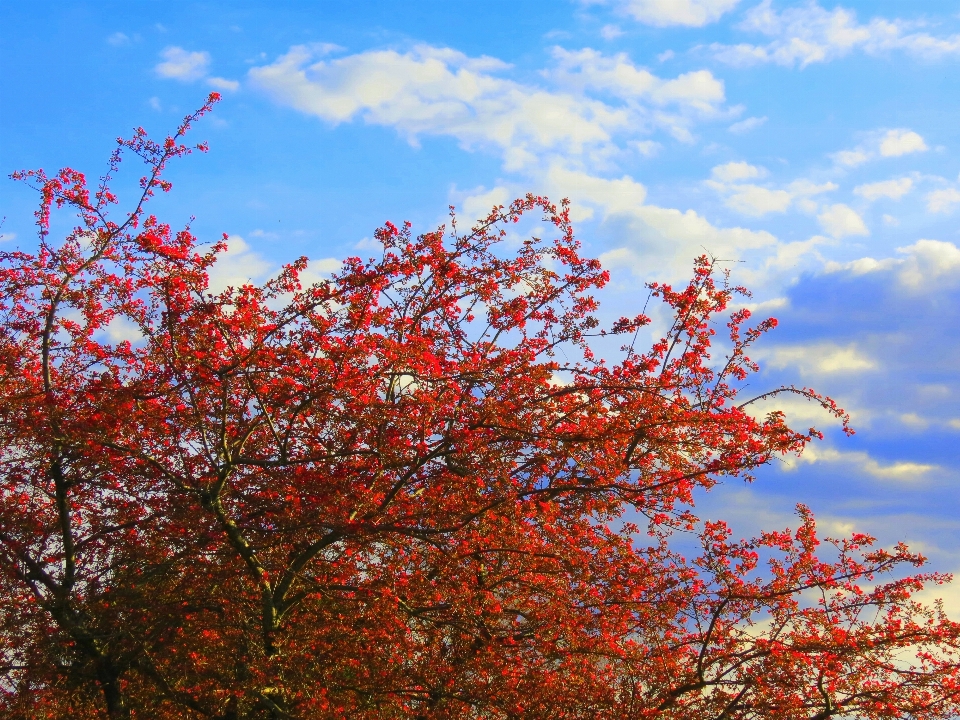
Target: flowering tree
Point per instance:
(409, 491)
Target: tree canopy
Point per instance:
(415, 489)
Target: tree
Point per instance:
(412, 490)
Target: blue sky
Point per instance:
(817, 144)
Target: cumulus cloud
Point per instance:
(756, 200)
(929, 263)
(675, 104)
(611, 196)
(925, 266)
(943, 201)
(238, 266)
(851, 158)
(889, 143)
(439, 91)
(841, 220)
(820, 358)
(901, 142)
(183, 65)
(654, 240)
(223, 84)
(892, 189)
(610, 32)
(647, 148)
(663, 13)
(477, 204)
(617, 74)
(811, 34)
(187, 66)
(734, 171)
(121, 329)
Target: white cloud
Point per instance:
(926, 265)
(861, 266)
(431, 90)
(788, 258)
(914, 421)
(820, 358)
(7, 237)
(588, 69)
(901, 142)
(223, 84)
(118, 38)
(238, 266)
(890, 143)
(929, 263)
(623, 196)
(890, 220)
(808, 188)
(610, 32)
(943, 201)
(893, 189)
(851, 158)
(663, 13)
(321, 269)
(810, 34)
(478, 204)
(756, 200)
(841, 220)
(647, 148)
(745, 126)
(183, 65)
(734, 171)
(658, 240)
(901, 470)
(122, 329)
(440, 91)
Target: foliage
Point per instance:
(412, 490)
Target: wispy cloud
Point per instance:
(189, 66)
(610, 32)
(746, 125)
(820, 358)
(891, 189)
(902, 470)
(663, 13)
(223, 84)
(438, 91)
(758, 200)
(183, 65)
(811, 34)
